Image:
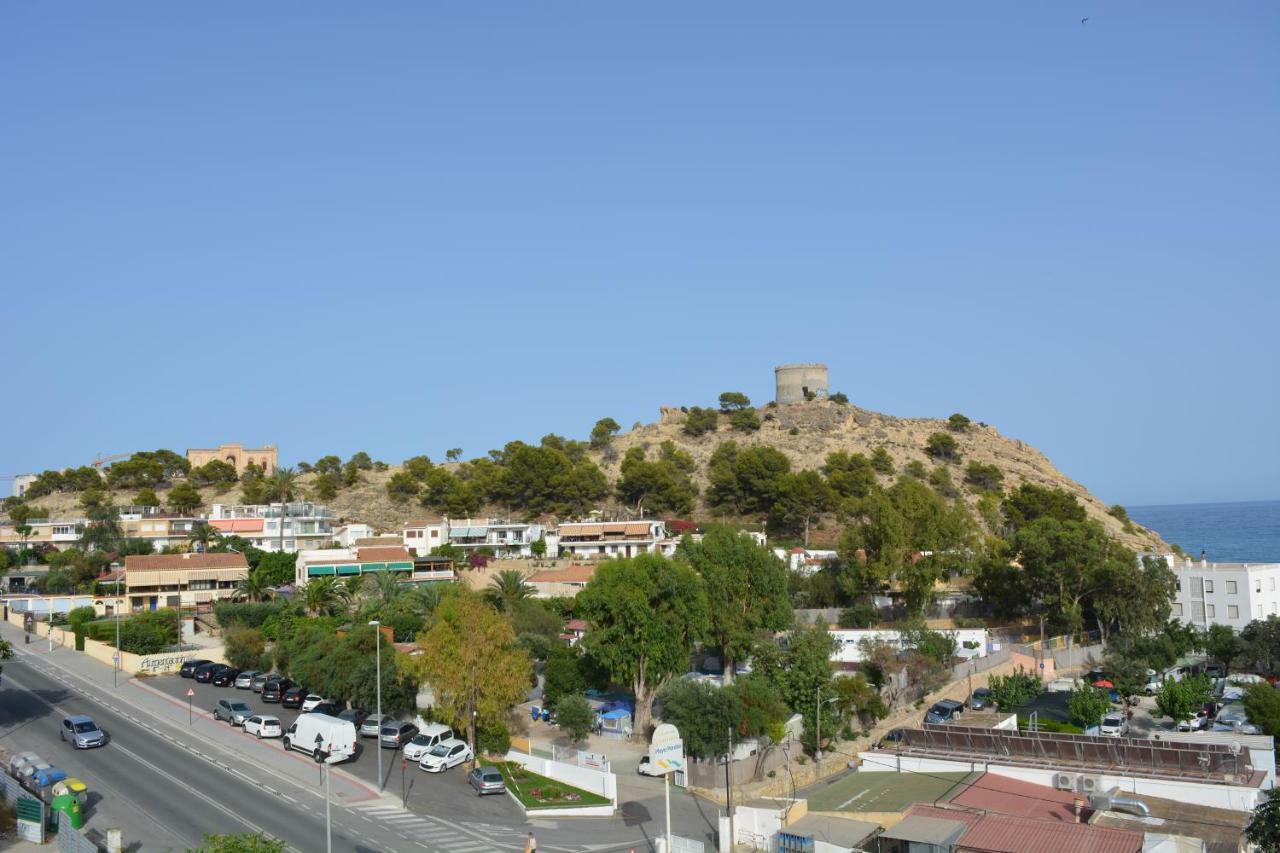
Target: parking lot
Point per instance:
(402, 778)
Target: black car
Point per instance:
(333, 709)
(204, 674)
(225, 677)
(189, 668)
(273, 691)
(292, 697)
(354, 715)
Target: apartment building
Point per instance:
(505, 538)
(353, 562)
(605, 539)
(60, 533)
(162, 529)
(306, 525)
(1225, 593)
(155, 581)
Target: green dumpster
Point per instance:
(69, 805)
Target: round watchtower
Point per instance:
(799, 382)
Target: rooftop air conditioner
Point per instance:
(1090, 785)
(1064, 781)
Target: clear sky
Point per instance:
(404, 227)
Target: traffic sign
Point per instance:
(190, 692)
(666, 750)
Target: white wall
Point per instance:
(1256, 593)
(848, 648)
(595, 781)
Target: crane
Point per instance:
(103, 460)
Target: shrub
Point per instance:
(859, 616)
(794, 431)
(881, 461)
(700, 421)
(984, 478)
(943, 447)
(494, 739)
(839, 397)
(958, 423)
(745, 420)
(1015, 689)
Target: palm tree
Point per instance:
(507, 587)
(204, 534)
(324, 597)
(382, 587)
(253, 587)
(282, 485)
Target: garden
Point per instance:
(538, 792)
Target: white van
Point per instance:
(429, 736)
(336, 737)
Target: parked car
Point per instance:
(81, 732)
(319, 733)
(396, 734)
(427, 739)
(294, 697)
(487, 780)
(1114, 725)
(260, 680)
(980, 699)
(274, 690)
(891, 739)
(310, 701)
(333, 709)
(1192, 724)
(262, 725)
(204, 674)
(245, 679)
(234, 711)
(444, 755)
(188, 669)
(944, 711)
(647, 768)
(354, 716)
(225, 677)
(372, 725)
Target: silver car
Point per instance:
(372, 725)
(244, 680)
(233, 711)
(81, 732)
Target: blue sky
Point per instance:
(403, 227)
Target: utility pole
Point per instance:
(115, 672)
(1042, 643)
(817, 726)
(728, 790)
(377, 627)
(50, 624)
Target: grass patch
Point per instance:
(539, 792)
(1050, 726)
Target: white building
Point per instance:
(306, 525)
(423, 535)
(1225, 593)
(970, 642)
(20, 484)
(504, 538)
(805, 561)
(607, 539)
(347, 535)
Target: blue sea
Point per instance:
(1227, 533)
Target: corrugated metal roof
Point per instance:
(994, 793)
(1005, 834)
(926, 830)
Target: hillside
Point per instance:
(820, 427)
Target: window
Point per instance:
(1231, 588)
(1177, 608)
(1211, 611)
(1257, 585)
(1233, 612)
(1208, 585)
(1179, 584)
(435, 534)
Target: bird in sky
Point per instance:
(1084, 20)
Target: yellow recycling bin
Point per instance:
(75, 788)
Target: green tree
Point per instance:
(745, 420)
(744, 480)
(603, 432)
(203, 534)
(761, 705)
(734, 401)
(575, 717)
(1087, 705)
(1136, 601)
(244, 647)
(958, 423)
(1264, 824)
(215, 472)
(418, 467)
(135, 473)
(942, 447)
(1030, 502)
(472, 662)
(857, 698)
(244, 842)
(807, 680)
(324, 597)
(146, 497)
(1260, 643)
(453, 454)
(506, 588)
(255, 586)
(662, 485)
(538, 548)
(940, 479)
(850, 475)
(562, 674)
(748, 585)
(700, 421)
(275, 568)
(402, 487)
(1181, 700)
(882, 461)
(282, 486)
(1012, 691)
(984, 478)
(645, 613)
(1223, 645)
(703, 714)
(361, 460)
(350, 474)
(839, 397)
(1068, 562)
(799, 499)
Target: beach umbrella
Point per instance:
(1102, 682)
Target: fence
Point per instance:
(30, 809)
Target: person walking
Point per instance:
(531, 844)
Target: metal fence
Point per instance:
(75, 840)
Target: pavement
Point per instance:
(172, 773)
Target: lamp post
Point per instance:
(115, 670)
(323, 759)
(50, 624)
(377, 633)
(817, 724)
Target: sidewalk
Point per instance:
(193, 730)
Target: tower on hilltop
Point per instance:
(799, 382)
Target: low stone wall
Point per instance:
(130, 663)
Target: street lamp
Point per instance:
(817, 723)
(322, 758)
(377, 644)
(51, 624)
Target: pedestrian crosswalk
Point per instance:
(427, 831)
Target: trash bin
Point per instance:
(76, 813)
(60, 807)
(75, 787)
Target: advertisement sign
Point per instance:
(666, 751)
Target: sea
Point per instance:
(1247, 532)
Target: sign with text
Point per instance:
(666, 750)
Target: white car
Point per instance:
(1114, 725)
(311, 702)
(444, 755)
(263, 726)
(1193, 724)
(647, 767)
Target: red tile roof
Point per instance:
(576, 625)
(178, 562)
(382, 555)
(995, 793)
(1004, 834)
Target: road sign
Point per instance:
(190, 692)
(666, 750)
(116, 657)
(1042, 664)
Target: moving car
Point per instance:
(396, 734)
(204, 674)
(225, 677)
(647, 768)
(262, 725)
(1114, 725)
(274, 690)
(188, 669)
(372, 725)
(944, 711)
(81, 732)
(245, 679)
(311, 700)
(427, 739)
(320, 734)
(442, 756)
(487, 780)
(234, 711)
(355, 716)
(293, 697)
(980, 699)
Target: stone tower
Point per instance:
(799, 382)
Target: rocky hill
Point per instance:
(805, 432)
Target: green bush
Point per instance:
(859, 616)
(494, 739)
(142, 633)
(246, 613)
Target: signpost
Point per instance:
(322, 758)
(666, 755)
(191, 694)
